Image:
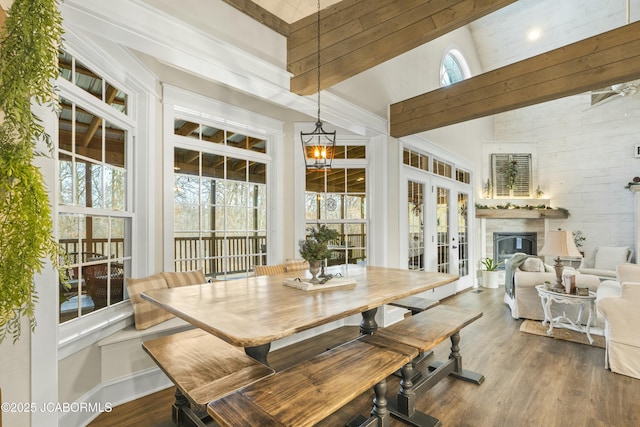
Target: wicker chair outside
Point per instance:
(100, 283)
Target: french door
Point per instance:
(438, 233)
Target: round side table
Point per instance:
(549, 296)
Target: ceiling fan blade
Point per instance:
(602, 97)
(603, 100)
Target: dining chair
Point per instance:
(269, 270)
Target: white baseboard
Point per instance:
(112, 393)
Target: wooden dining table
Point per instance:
(253, 312)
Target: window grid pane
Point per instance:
(86, 79)
(337, 198)
(220, 213)
(93, 174)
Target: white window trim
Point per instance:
(179, 103)
(419, 145)
(462, 61)
(343, 139)
(79, 333)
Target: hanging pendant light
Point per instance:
(318, 146)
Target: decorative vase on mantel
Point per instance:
(314, 268)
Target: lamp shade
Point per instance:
(560, 244)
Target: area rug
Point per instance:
(535, 327)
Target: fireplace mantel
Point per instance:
(522, 213)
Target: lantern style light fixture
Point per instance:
(318, 146)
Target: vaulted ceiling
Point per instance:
(586, 45)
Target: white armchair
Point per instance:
(618, 302)
(521, 278)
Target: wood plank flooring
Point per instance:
(529, 380)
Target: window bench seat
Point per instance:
(122, 353)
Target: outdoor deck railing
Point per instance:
(221, 255)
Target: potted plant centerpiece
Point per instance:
(490, 275)
(314, 249)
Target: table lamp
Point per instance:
(559, 244)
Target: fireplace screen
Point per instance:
(507, 244)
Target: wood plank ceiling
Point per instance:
(359, 34)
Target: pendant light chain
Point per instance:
(318, 146)
(318, 60)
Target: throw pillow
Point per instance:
(532, 264)
(146, 314)
(608, 258)
(184, 278)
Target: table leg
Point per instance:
(547, 315)
(580, 312)
(259, 353)
(589, 320)
(368, 326)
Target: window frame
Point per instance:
(459, 60)
(344, 139)
(346, 165)
(415, 147)
(185, 105)
(129, 76)
(85, 100)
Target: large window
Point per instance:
(338, 199)
(220, 215)
(94, 213)
(218, 200)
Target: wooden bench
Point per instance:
(203, 368)
(415, 304)
(306, 393)
(424, 331)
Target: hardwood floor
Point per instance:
(529, 380)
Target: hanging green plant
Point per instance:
(29, 45)
(511, 173)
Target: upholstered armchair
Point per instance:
(618, 301)
(521, 279)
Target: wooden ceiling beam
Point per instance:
(356, 35)
(261, 15)
(606, 59)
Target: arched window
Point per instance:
(453, 68)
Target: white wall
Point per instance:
(585, 159)
(225, 22)
(15, 375)
(407, 75)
